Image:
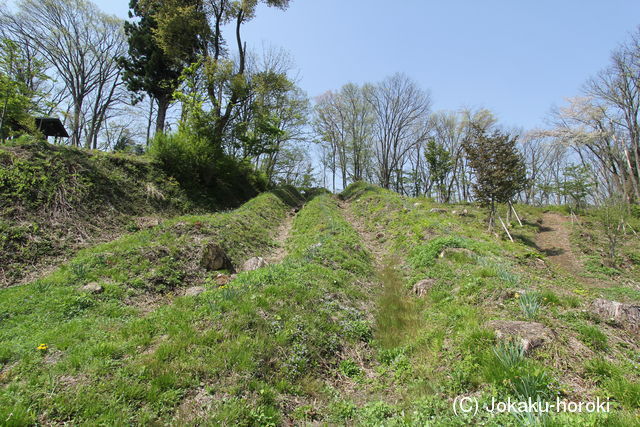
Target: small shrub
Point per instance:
(342, 411)
(376, 412)
(350, 369)
(389, 356)
(265, 416)
(204, 171)
(358, 330)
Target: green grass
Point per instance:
(96, 343)
(593, 337)
(248, 348)
(320, 338)
(446, 349)
(53, 196)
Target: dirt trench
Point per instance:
(553, 240)
(282, 234)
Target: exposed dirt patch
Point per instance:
(553, 240)
(148, 302)
(282, 234)
(196, 405)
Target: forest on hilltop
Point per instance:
(177, 82)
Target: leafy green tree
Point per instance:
(194, 28)
(16, 99)
(577, 185)
(499, 168)
(148, 68)
(440, 164)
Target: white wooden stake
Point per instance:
(505, 228)
(516, 213)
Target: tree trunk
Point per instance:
(149, 121)
(163, 106)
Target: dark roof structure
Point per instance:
(51, 127)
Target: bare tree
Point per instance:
(80, 43)
(330, 127)
(401, 111)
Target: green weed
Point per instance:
(593, 337)
(530, 304)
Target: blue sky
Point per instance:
(518, 58)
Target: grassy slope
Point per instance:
(440, 347)
(55, 199)
(321, 337)
(105, 359)
(619, 283)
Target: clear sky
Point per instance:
(516, 57)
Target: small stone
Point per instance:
(93, 288)
(531, 334)
(253, 264)
(423, 286)
(215, 258)
(194, 291)
(147, 222)
(222, 279)
(438, 210)
(417, 205)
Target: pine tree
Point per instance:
(499, 168)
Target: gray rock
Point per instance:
(438, 210)
(215, 258)
(531, 334)
(423, 286)
(254, 263)
(222, 279)
(194, 291)
(627, 315)
(93, 288)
